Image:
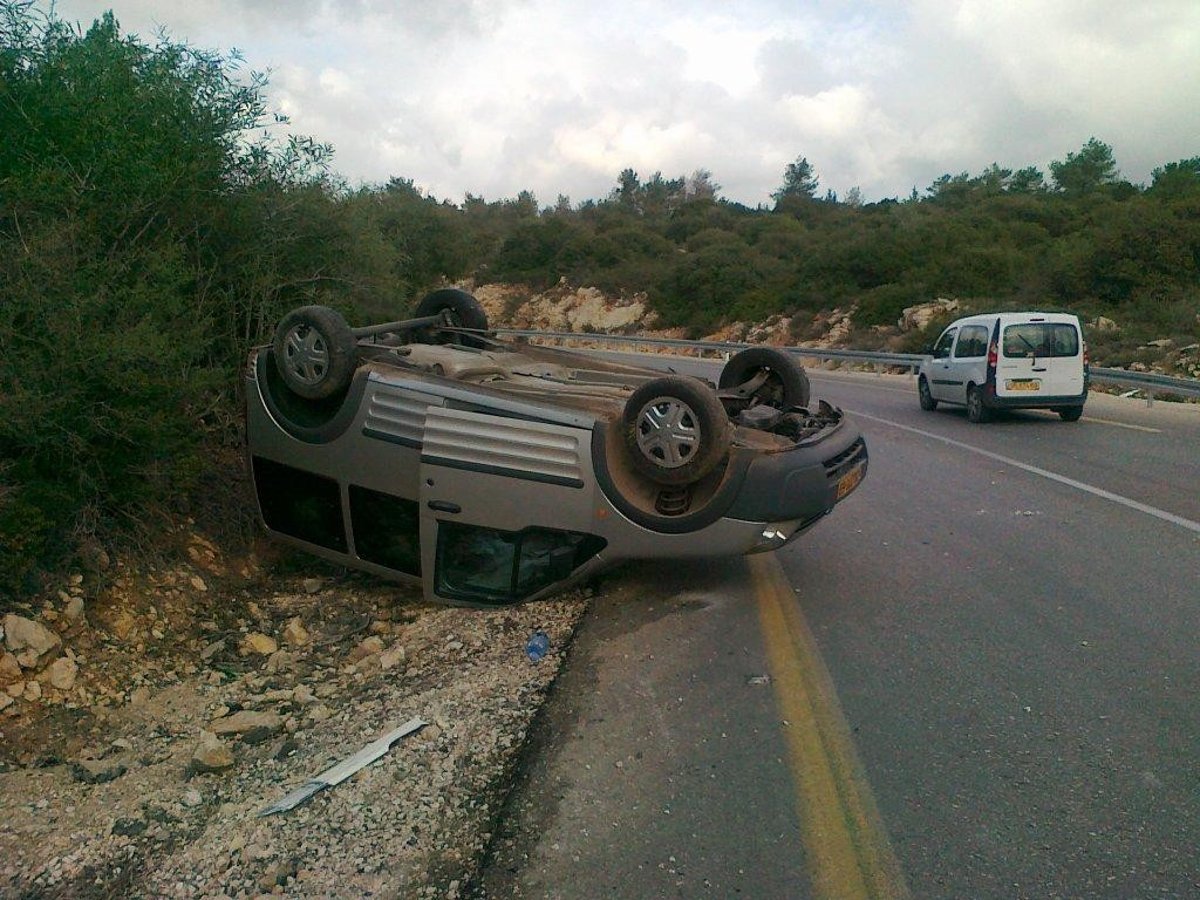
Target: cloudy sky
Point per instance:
(492, 97)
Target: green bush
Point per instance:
(883, 305)
(128, 287)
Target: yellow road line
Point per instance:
(848, 848)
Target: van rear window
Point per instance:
(1041, 339)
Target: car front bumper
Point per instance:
(803, 483)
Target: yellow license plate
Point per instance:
(1028, 384)
(850, 480)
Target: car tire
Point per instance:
(676, 430)
(1070, 413)
(925, 396)
(976, 411)
(315, 352)
(786, 386)
(464, 312)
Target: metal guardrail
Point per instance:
(1147, 382)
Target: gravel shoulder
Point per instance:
(188, 711)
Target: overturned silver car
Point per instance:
(495, 471)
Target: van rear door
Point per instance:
(1039, 358)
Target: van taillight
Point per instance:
(1086, 358)
(993, 358)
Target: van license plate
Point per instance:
(1023, 384)
(850, 480)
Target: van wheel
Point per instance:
(315, 352)
(463, 311)
(1070, 413)
(924, 395)
(768, 376)
(976, 411)
(676, 430)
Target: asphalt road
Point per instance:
(994, 642)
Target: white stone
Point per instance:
(367, 647)
(247, 720)
(211, 755)
(294, 633)
(10, 669)
(25, 634)
(394, 657)
(61, 674)
(74, 609)
(257, 644)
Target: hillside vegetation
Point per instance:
(156, 220)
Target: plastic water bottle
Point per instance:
(537, 646)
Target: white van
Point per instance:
(1011, 360)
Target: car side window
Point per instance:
(387, 529)
(494, 566)
(300, 504)
(972, 342)
(942, 348)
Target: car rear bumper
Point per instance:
(991, 401)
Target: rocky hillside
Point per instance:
(587, 309)
(147, 717)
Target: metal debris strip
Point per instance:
(343, 770)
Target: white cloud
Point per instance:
(558, 96)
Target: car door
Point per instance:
(506, 505)
(939, 367)
(967, 363)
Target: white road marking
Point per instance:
(1129, 425)
(1045, 473)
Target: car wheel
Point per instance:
(976, 411)
(782, 383)
(315, 352)
(1070, 413)
(464, 312)
(676, 430)
(924, 395)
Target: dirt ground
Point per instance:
(167, 707)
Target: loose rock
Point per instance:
(61, 673)
(257, 644)
(97, 771)
(73, 610)
(10, 669)
(22, 634)
(211, 755)
(367, 647)
(394, 657)
(295, 634)
(248, 721)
